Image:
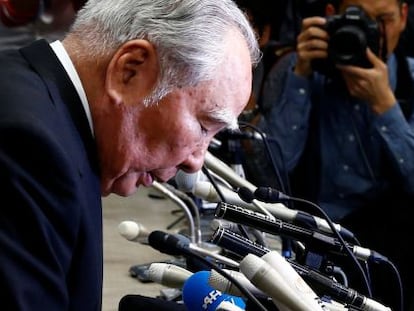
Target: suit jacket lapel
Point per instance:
(41, 56)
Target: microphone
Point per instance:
(236, 243)
(198, 295)
(321, 283)
(270, 195)
(267, 279)
(295, 281)
(186, 181)
(206, 191)
(133, 231)
(171, 245)
(168, 274)
(317, 240)
(225, 171)
(298, 217)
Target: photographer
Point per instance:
(346, 130)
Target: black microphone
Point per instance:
(172, 245)
(322, 284)
(317, 240)
(270, 195)
(299, 217)
(265, 194)
(236, 243)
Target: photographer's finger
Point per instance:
(372, 58)
(313, 21)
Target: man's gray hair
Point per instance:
(189, 35)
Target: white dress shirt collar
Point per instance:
(64, 58)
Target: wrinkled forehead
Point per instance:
(233, 79)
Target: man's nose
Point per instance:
(194, 161)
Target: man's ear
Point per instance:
(132, 72)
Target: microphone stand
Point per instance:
(195, 234)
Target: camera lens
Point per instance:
(347, 45)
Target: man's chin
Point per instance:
(121, 189)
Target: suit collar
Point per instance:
(45, 62)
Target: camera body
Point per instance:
(350, 34)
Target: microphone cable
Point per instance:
(271, 158)
(364, 272)
(341, 240)
(286, 242)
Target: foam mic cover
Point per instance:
(246, 194)
(198, 295)
(270, 195)
(133, 231)
(168, 243)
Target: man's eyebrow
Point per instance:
(224, 116)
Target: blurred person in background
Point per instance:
(23, 21)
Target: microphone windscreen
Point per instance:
(270, 195)
(165, 243)
(246, 194)
(198, 295)
(262, 194)
(168, 274)
(186, 181)
(131, 230)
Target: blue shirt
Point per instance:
(361, 154)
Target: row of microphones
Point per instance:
(315, 240)
(249, 196)
(253, 275)
(321, 283)
(268, 276)
(175, 277)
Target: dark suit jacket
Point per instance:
(50, 208)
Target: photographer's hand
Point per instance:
(311, 43)
(370, 84)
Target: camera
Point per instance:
(349, 36)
